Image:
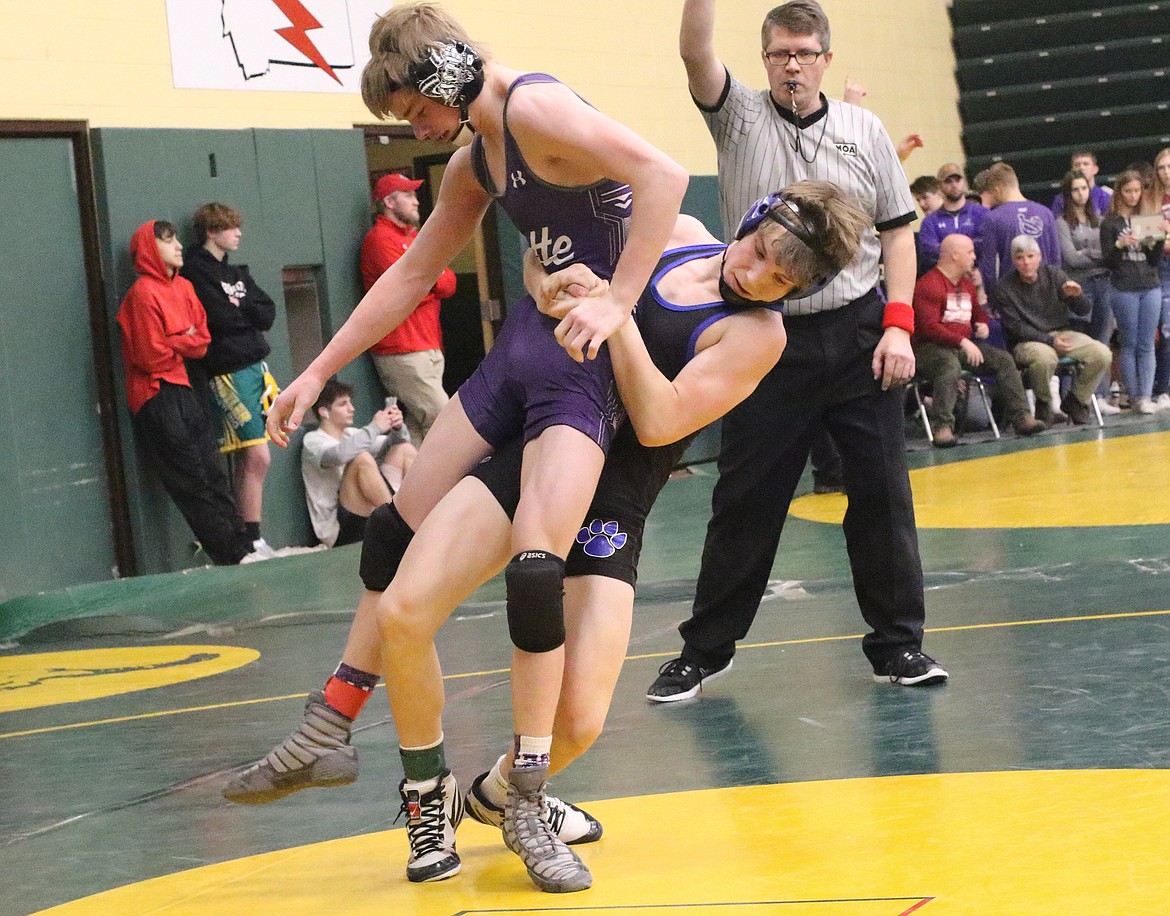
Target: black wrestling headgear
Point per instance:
(452, 73)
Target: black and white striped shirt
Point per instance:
(757, 154)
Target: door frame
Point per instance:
(77, 133)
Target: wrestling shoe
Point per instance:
(552, 866)
(433, 810)
(317, 755)
(911, 669)
(571, 824)
(679, 679)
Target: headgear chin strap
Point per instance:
(779, 209)
(452, 73)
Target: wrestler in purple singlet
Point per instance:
(528, 382)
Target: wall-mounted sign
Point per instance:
(282, 45)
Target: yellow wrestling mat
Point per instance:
(1075, 842)
(51, 678)
(1062, 486)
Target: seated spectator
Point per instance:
(163, 324)
(948, 309)
(1011, 214)
(349, 472)
(957, 214)
(1133, 262)
(1085, 162)
(927, 192)
(1037, 303)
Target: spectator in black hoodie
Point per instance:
(241, 388)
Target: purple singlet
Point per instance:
(528, 382)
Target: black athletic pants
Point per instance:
(823, 375)
(174, 431)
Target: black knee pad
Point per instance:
(536, 601)
(385, 543)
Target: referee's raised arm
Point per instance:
(706, 75)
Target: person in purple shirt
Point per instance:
(957, 214)
(1010, 214)
(1085, 162)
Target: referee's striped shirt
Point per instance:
(758, 154)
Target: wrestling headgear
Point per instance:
(777, 208)
(452, 73)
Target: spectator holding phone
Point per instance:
(1133, 259)
(349, 471)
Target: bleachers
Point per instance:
(1101, 23)
(1038, 78)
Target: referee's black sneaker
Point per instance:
(679, 679)
(911, 669)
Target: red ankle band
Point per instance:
(345, 698)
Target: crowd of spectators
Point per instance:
(198, 386)
(1082, 284)
(1008, 289)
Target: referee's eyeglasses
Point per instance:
(804, 57)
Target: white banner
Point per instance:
(282, 45)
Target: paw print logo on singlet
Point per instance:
(601, 539)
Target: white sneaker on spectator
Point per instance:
(1162, 401)
(1106, 408)
(261, 550)
(1147, 406)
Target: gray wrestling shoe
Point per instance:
(552, 866)
(317, 755)
(432, 814)
(571, 824)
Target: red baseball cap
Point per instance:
(391, 182)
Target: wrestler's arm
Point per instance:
(459, 209)
(573, 139)
(555, 293)
(721, 375)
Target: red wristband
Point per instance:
(898, 315)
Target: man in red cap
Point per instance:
(409, 359)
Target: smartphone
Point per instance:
(391, 402)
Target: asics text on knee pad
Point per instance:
(536, 591)
(385, 543)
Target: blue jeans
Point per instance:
(1138, 314)
(1162, 356)
(1099, 292)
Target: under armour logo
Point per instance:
(518, 178)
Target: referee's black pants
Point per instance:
(824, 375)
(174, 431)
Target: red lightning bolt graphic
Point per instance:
(302, 21)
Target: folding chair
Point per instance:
(973, 381)
(1070, 368)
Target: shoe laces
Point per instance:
(676, 667)
(555, 812)
(425, 819)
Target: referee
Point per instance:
(848, 350)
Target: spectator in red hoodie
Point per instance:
(163, 324)
(409, 359)
(951, 328)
